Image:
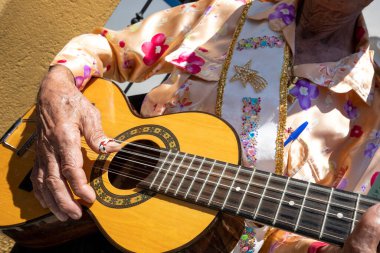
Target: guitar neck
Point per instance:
(305, 208)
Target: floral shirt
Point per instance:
(340, 100)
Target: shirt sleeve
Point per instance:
(134, 53)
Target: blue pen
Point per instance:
(296, 133)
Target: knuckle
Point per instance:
(67, 170)
(52, 182)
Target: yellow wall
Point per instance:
(31, 33)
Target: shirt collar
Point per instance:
(354, 72)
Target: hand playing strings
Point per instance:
(63, 115)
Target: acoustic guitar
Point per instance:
(168, 187)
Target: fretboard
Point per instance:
(301, 207)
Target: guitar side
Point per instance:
(158, 224)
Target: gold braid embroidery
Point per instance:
(283, 111)
(223, 75)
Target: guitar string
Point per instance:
(248, 171)
(242, 181)
(242, 168)
(226, 186)
(278, 220)
(278, 178)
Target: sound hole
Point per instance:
(133, 164)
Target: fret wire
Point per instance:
(327, 211)
(263, 196)
(311, 198)
(302, 205)
(195, 176)
(295, 194)
(217, 184)
(340, 238)
(184, 176)
(253, 193)
(232, 185)
(205, 181)
(159, 169)
(175, 173)
(282, 198)
(355, 212)
(167, 172)
(248, 170)
(246, 189)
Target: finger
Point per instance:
(366, 235)
(94, 135)
(36, 177)
(50, 202)
(71, 162)
(55, 190)
(59, 189)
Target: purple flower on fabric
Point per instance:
(305, 92)
(86, 74)
(342, 184)
(370, 150)
(284, 11)
(351, 110)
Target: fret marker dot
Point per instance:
(238, 189)
(291, 203)
(339, 215)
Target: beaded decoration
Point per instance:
(247, 240)
(250, 121)
(260, 42)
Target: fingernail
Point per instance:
(76, 216)
(61, 217)
(90, 197)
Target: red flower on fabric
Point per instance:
(189, 62)
(154, 49)
(356, 131)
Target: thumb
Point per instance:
(94, 135)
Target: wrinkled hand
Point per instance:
(365, 238)
(63, 115)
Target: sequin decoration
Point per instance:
(260, 42)
(246, 75)
(250, 121)
(247, 240)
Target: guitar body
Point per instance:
(133, 219)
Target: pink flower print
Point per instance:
(305, 92)
(185, 99)
(154, 49)
(122, 43)
(189, 62)
(86, 74)
(128, 64)
(374, 177)
(370, 149)
(351, 110)
(284, 11)
(356, 131)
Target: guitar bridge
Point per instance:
(20, 136)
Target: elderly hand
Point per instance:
(365, 238)
(64, 114)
